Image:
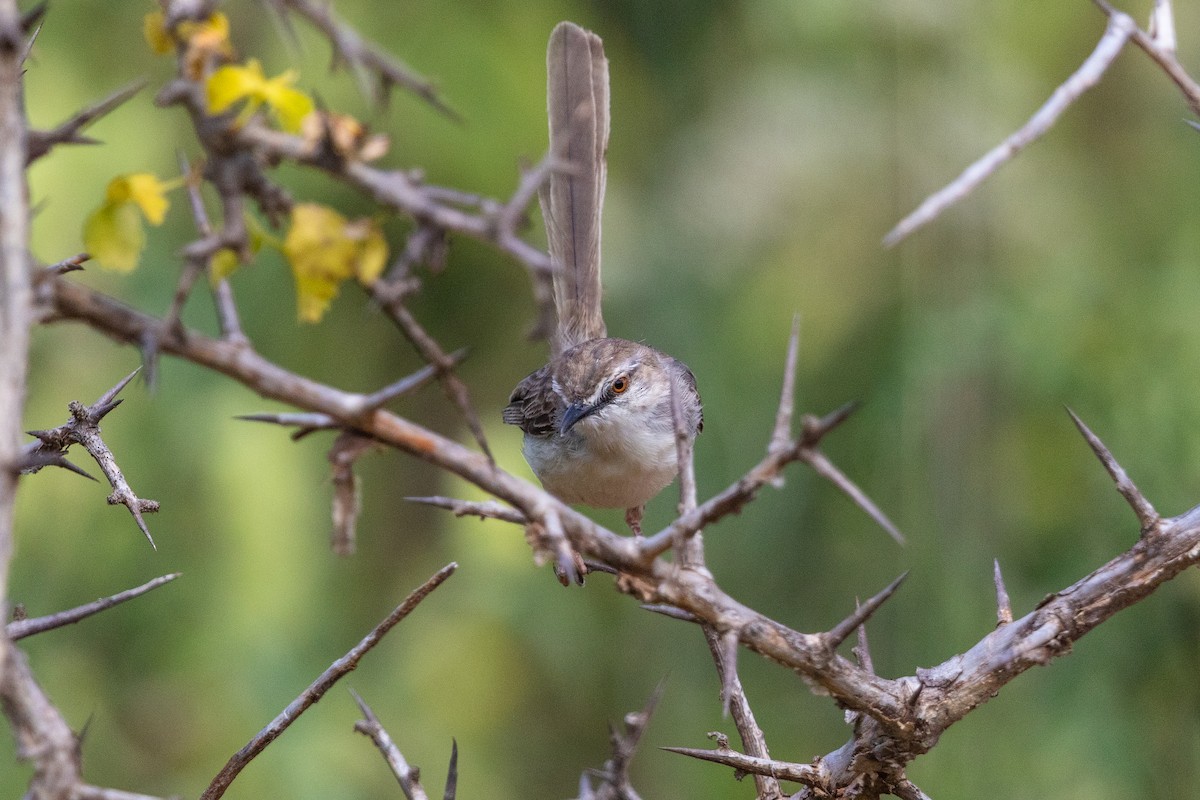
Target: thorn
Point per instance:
(1004, 613)
(670, 611)
(815, 428)
(72, 264)
(826, 469)
(33, 16)
(781, 436)
(843, 629)
(862, 650)
(1145, 512)
(62, 462)
(108, 396)
(309, 421)
(452, 773)
(414, 381)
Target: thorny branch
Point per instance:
(83, 428)
(894, 720)
(19, 629)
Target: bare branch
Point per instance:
(614, 774)
(72, 264)
(28, 627)
(42, 734)
(321, 685)
(408, 777)
(16, 297)
(807, 774)
(1159, 47)
(444, 365)
(69, 132)
(1145, 512)
(1119, 29)
(348, 46)
(487, 509)
(83, 428)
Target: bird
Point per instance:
(598, 419)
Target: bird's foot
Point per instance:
(633, 518)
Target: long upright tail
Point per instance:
(577, 105)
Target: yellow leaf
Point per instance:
(324, 249)
(114, 236)
(144, 190)
(156, 33)
(290, 105)
(232, 83)
(320, 255)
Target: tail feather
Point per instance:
(571, 200)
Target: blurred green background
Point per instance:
(760, 150)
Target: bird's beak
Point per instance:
(572, 414)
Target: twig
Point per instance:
(807, 774)
(414, 381)
(350, 47)
(487, 509)
(42, 734)
(768, 471)
(68, 132)
(443, 364)
(614, 774)
(1120, 28)
(198, 260)
(1160, 46)
(84, 429)
(72, 264)
(320, 686)
(28, 627)
(306, 422)
(408, 777)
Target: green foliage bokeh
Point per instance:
(759, 152)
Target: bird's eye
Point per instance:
(620, 385)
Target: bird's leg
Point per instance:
(633, 518)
